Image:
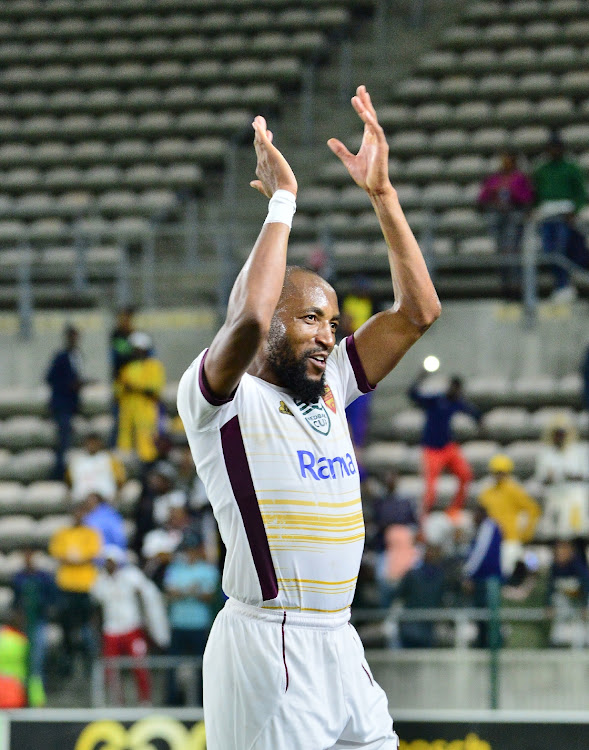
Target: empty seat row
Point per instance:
(56, 8)
(491, 10)
(381, 456)
(96, 398)
(453, 222)
(30, 431)
(222, 39)
(54, 229)
(92, 130)
(45, 497)
(186, 98)
(557, 111)
(346, 252)
(17, 531)
(521, 59)
(425, 169)
(502, 424)
(168, 73)
(484, 140)
(433, 195)
(509, 34)
(494, 86)
(74, 204)
(104, 177)
(60, 261)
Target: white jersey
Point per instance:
(122, 612)
(284, 485)
(92, 473)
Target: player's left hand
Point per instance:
(369, 168)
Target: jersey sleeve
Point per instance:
(344, 360)
(198, 407)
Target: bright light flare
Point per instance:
(431, 363)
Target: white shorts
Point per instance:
(276, 680)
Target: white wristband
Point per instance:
(281, 208)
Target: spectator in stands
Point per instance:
(517, 514)
(65, 380)
(75, 548)
(439, 448)
(357, 308)
(482, 569)
(14, 656)
(95, 469)
(121, 352)
(526, 587)
(400, 555)
(505, 197)
(562, 467)
(121, 348)
(34, 595)
(422, 587)
(391, 509)
(160, 544)
(568, 594)
(139, 387)
(559, 195)
(130, 605)
(103, 518)
(191, 584)
(160, 481)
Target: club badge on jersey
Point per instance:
(316, 415)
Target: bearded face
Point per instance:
(290, 368)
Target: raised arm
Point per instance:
(384, 339)
(257, 288)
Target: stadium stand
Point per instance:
(506, 75)
(110, 117)
(516, 414)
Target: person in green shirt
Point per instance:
(14, 657)
(559, 195)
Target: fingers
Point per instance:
(364, 96)
(257, 185)
(339, 150)
(362, 103)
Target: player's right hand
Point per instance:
(273, 171)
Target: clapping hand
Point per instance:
(273, 171)
(369, 168)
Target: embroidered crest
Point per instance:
(316, 416)
(328, 399)
(283, 409)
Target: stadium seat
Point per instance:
(46, 497)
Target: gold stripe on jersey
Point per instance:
(308, 492)
(319, 539)
(310, 503)
(315, 590)
(311, 521)
(309, 609)
(323, 583)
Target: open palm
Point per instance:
(369, 168)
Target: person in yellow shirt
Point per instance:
(517, 514)
(138, 389)
(75, 548)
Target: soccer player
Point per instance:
(264, 412)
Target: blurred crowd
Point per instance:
(514, 549)
(155, 591)
(555, 190)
